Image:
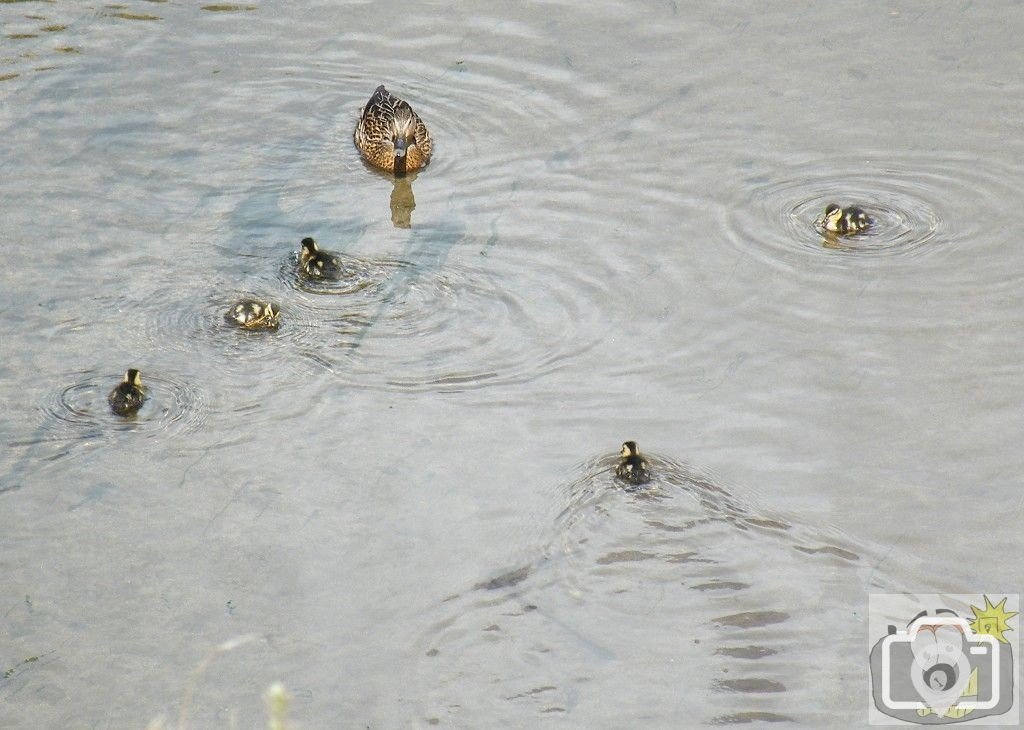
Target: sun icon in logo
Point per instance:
(992, 620)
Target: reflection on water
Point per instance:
(228, 8)
(615, 237)
(403, 202)
(133, 16)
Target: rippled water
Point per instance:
(405, 492)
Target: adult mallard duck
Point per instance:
(391, 136)
(250, 314)
(317, 264)
(632, 467)
(844, 220)
(129, 395)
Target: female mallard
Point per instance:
(391, 136)
(250, 314)
(844, 220)
(128, 396)
(317, 264)
(632, 467)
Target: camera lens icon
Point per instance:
(938, 656)
(940, 670)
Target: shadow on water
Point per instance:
(737, 595)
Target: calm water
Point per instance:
(404, 493)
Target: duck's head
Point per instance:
(629, 449)
(403, 135)
(833, 214)
(308, 247)
(133, 377)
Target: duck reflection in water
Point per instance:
(403, 202)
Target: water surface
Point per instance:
(404, 494)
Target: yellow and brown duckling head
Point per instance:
(317, 264)
(129, 395)
(844, 220)
(632, 467)
(251, 314)
(391, 136)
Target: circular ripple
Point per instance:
(918, 206)
(183, 322)
(596, 483)
(246, 368)
(171, 407)
(490, 116)
(899, 222)
(360, 276)
(462, 327)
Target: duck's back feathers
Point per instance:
(127, 398)
(253, 314)
(634, 470)
(381, 99)
(318, 264)
(851, 219)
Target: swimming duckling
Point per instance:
(844, 220)
(252, 315)
(391, 136)
(127, 397)
(318, 264)
(633, 467)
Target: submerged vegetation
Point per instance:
(275, 697)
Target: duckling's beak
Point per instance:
(400, 145)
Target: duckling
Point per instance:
(391, 136)
(844, 220)
(318, 264)
(633, 467)
(128, 396)
(252, 315)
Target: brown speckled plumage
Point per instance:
(385, 120)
